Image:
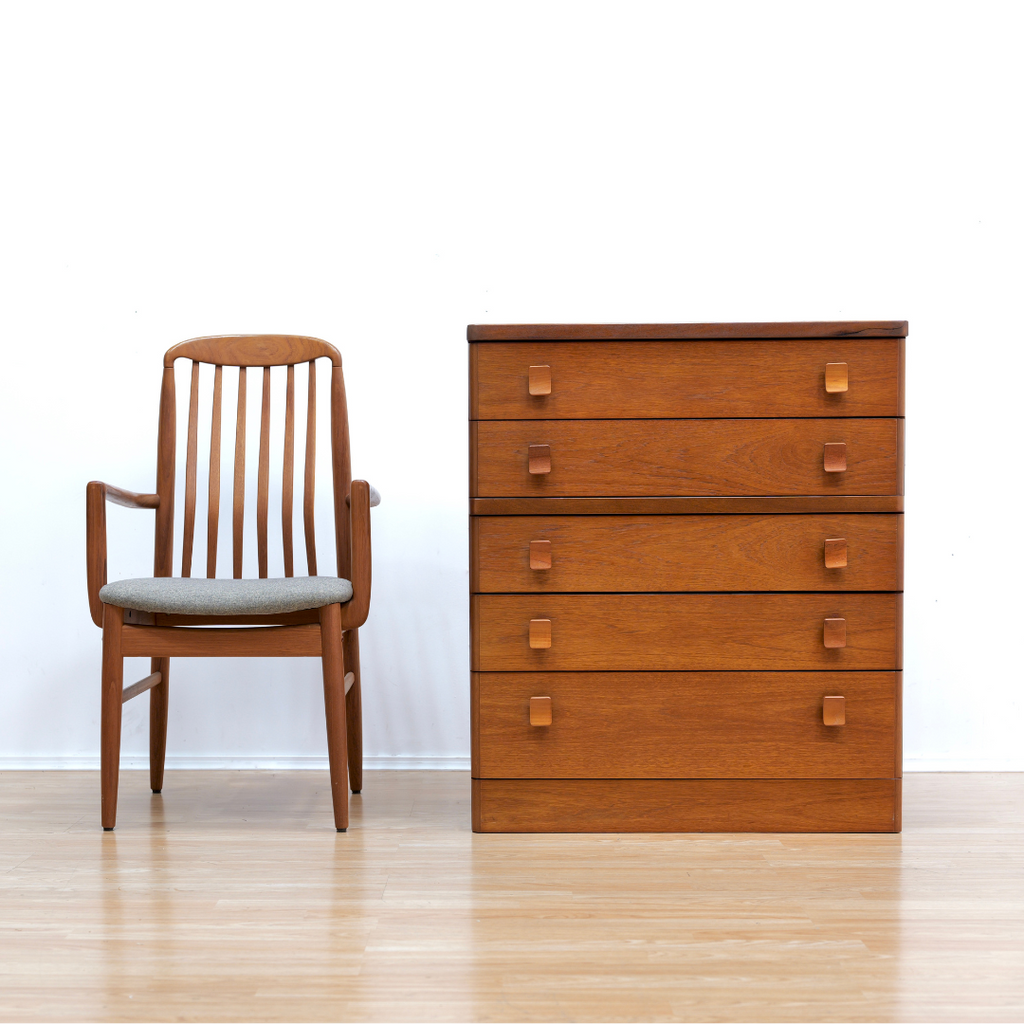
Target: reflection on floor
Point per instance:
(231, 897)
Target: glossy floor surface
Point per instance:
(231, 897)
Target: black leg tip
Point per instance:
(356, 792)
(342, 830)
(157, 791)
(105, 829)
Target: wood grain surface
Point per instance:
(599, 332)
(231, 897)
(708, 725)
(685, 632)
(252, 350)
(704, 457)
(684, 805)
(686, 506)
(153, 679)
(666, 379)
(256, 642)
(611, 554)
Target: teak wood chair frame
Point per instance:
(329, 633)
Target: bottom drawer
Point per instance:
(700, 725)
(687, 805)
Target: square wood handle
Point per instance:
(835, 632)
(540, 710)
(835, 553)
(835, 458)
(837, 378)
(833, 711)
(540, 459)
(540, 380)
(540, 554)
(540, 634)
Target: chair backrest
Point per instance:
(249, 351)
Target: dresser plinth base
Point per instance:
(687, 805)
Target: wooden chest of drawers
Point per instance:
(686, 575)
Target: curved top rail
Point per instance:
(253, 350)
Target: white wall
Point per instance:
(382, 174)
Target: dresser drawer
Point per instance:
(552, 554)
(695, 632)
(685, 457)
(670, 379)
(687, 805)
(727, 725)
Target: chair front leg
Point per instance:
(112, 682)
(334, 706)
(354, 712)
(158, 723)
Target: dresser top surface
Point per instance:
(688, 332)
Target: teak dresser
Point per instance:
(686, 575)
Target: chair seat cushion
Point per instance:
(174, 595)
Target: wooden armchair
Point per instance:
(165, 617)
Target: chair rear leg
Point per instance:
(354, 713)
(110, 713)
(334, 706)
(158, 723)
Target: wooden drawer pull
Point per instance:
(540, 554)
(540, 380)
(540, 634)
(835, 553)
(837, 378)
(833, 711)
(540, 710)
(835, 633)
(835, 458)
(540, 459)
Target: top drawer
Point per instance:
(670, 379)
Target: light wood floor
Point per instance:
(231, 897)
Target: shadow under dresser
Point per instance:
(686, 576)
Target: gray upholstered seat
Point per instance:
(374, 496)
(173, 595)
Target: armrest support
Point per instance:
(354, 612)
(97, 494)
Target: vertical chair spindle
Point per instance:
(213, 516)
(189, 526)
(288, 472)
(163, 547)
(263, 478)
(239, 491)
(310, 471)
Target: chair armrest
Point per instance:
(374, 497)
(97, 494)
(354, 612)
(129, 499)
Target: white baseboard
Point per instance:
(963, 764)
(404, 763)
(39, 764)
